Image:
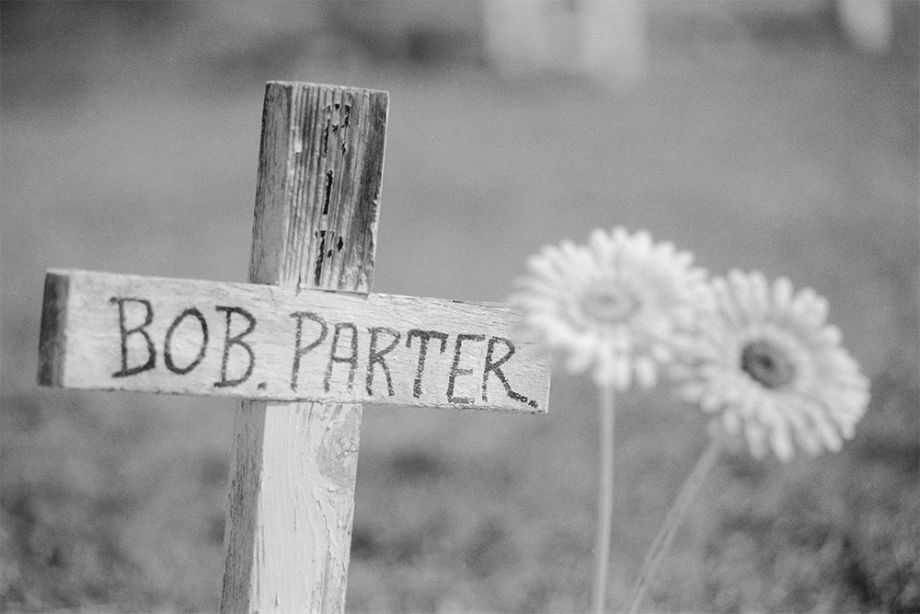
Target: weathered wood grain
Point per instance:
(149, 334)
(292, 494)
(302, 357)
(53, 336)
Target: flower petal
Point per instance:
(805, 390)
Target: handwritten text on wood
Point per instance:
(122, 332)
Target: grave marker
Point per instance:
(303, 344)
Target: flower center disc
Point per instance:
(608, 304)
(767, 364)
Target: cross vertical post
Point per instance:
(303, 344)
(291, 502)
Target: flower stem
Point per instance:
(604, 501)
(666, 533)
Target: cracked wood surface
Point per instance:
(289, 524)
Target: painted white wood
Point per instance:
(149, 334)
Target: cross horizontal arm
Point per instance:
(146, 334)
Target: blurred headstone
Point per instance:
(867, 24)
(604, 40)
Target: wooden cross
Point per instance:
(303, 344)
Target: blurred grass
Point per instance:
(129, 143)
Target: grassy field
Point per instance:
(129, 144)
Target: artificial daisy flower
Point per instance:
(773, 371)
(615, 306)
